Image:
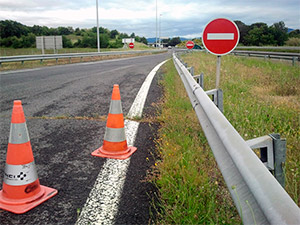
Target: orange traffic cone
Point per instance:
(115, 144)
(21, 189)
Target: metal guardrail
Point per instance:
(271, 55)
(259, 198)
(269, 47)
(23, 58)
(264, 54)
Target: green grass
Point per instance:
(260, 97)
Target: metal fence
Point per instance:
(41, 58)
(294, 57)
(258, 196)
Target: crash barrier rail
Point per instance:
(23, 58)
(269, 47)
(271, 148)
(294, 57)
(258, 196)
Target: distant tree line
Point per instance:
(260, 34)
(172, 41)
(16, 35)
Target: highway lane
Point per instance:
(75, 89)
(62, 147)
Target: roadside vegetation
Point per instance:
(260, 34)
(16, 35)
(260, 97)
(34, 51)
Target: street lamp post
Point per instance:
(98, 35)
(156, 27)
(159, 30)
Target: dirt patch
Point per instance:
(265, 94)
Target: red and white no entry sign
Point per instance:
(131, 45)
(190, 44)
(220, 36)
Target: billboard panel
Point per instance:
(128, 40)
(49, 42)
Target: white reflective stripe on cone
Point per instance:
(18, 133)
(16, 175)
(114, 134)
(115, 107)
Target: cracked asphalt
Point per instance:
(52, 97)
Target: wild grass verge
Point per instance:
(260, 97)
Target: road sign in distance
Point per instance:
(220, 36)
(131, 45)
(190, 44)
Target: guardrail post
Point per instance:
(56, 60)
(200, 80)
(41, 61)
(217, 97)
(22, 62)
(279, 157)
(294, 61)
(265, 146)
(191, 69)
(272, 154)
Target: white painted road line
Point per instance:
(220, 36)
(103, 201)
(137, 107)
(19, 71)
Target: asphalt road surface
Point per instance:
(52, 97)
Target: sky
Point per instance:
(184, 18)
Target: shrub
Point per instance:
(293, 41)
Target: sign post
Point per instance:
(220, 37)
(218, 71)
(43, 45)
